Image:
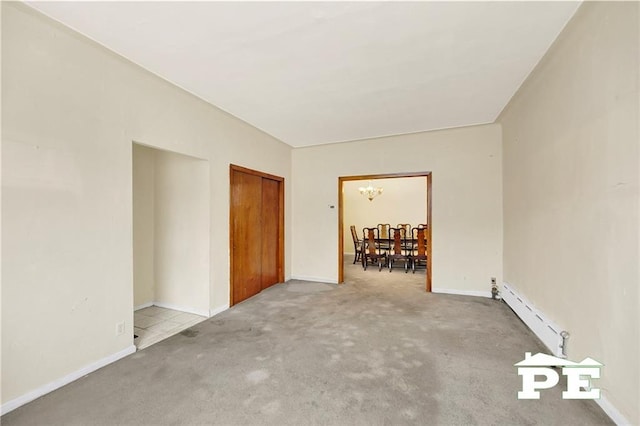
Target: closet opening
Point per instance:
(171, 243)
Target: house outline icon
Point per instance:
(544, 360)
(540, 365)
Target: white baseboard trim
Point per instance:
(476, 293)
(144, 305)
(58, 383)
(612, 412)
(202, 313)
(314, 279)
(549, 333)
(218, 310)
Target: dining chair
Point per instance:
(414, 242)
(383, 235)
(371, 250)
(357, 244)
(406, 234)
(419, 252)
(399, 250)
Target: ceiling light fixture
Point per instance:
(370, 192)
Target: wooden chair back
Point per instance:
(354, 235)
(383, 230)
(370, 237)
(419, 236)
(398, 241)
(399, 249)
(406, 229)
(357, 245)
(371, 249)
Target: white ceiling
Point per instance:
(321, 72)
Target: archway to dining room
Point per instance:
(344, 181)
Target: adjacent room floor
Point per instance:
(154, 324)
(376, 350)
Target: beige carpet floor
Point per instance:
(376, 350)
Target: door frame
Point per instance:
(280, 253)
(342, 179)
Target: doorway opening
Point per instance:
(171, 243)
(346, 180)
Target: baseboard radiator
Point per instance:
(549, 333)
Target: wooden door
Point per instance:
(247, 269)
(257, 234)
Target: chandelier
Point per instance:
(370, 192)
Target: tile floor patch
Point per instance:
(154, 324)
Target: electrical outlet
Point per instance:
(119, 328)
(495, 291)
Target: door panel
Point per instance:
(246, 221)
(257, 232)
(270, 232)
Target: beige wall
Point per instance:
(181, 233)
(170, 230)
(71, 110)
(571, 173)
(467, 201)
(404, 200)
